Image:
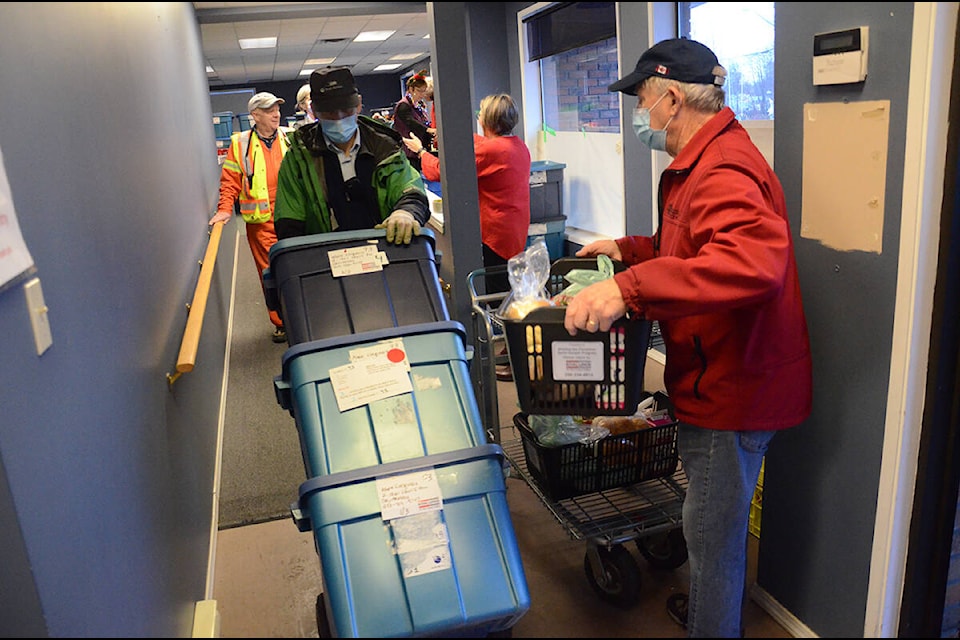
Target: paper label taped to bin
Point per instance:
(360, 383)
(363, 259)
(422, 544)
(409, 493)
(391, 350)
(577, 360)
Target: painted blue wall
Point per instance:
(106, 495)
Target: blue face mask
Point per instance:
(656, 140)
(340, 131)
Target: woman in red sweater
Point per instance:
(503, 183)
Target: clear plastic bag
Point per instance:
(557, 431)
(528, 272)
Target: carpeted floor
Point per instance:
(261, 466)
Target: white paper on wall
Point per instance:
(14, 256)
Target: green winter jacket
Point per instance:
(301, 190)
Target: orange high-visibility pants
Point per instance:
(261, 237)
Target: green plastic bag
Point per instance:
(580, 278)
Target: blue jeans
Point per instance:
(722, 469)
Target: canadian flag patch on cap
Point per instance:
(662, 70)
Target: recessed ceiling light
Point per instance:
(408, 56)
(317, 61)
(258, 43)
(373, 36)
(387, 67)
(210, 69)
(426, 37)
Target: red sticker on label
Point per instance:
(396, 355)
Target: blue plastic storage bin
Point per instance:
(299, 284)
(223, 124)
(245, 120)
(450, 568)
(440, 413)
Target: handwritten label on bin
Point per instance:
(363, 259)
(408, 494)
(363, 382)
(391, 350)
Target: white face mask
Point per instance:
(655, 139)
(340, 131)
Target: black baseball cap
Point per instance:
(677, 59)
(333, 89)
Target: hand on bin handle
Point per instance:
(401, 226)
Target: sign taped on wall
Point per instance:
(845, 173)
(15, 258)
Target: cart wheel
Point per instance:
(323, 623)
(664, 550)
(617, 580)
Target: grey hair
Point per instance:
(498, 113)
(706, 98)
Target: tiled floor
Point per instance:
(268, 576)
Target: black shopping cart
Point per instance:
(621, 489)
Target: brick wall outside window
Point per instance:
(580, 100)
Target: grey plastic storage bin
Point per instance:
(300, 286)
(546, 190)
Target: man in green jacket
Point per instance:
(347, 171)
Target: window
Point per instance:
(569, 59)
(741, 34)
(576, 45)
(575, 96)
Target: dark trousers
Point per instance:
(499, 281)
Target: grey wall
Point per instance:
(106, 473)
(821, 480)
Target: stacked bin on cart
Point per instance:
(314, 303)
(405, 497)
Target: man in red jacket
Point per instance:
(720, 276)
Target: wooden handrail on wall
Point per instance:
(191, 334)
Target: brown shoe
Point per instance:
(504, 373)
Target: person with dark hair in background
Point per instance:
(720, 276)
(347, 171)
(249, 177)
(410, 115)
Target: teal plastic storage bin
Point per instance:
(553, 231)
(245, 120)
(439, 414)
(450, 568)
(314, 305)
(223, 124)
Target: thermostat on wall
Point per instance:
(840, 57)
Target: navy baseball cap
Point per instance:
(677, 59)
